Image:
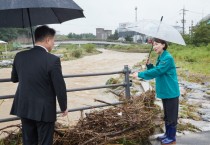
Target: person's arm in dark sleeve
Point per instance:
(59, 85)
(14, 74)
(162, 68)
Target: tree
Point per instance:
(113, 36)
(187, 38)
(128, 38)
(201, 34)
(9, 34)
(81, 36)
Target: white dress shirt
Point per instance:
(42, 47)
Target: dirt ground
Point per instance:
(107, 61)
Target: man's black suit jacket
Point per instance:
(40, 80)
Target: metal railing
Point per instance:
(125, 84)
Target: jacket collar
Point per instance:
(38, 47)
(165, 52)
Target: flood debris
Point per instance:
(132, 121)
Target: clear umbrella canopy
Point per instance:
(157, 29)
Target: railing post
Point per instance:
(127, 82)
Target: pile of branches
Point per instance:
(132, 121)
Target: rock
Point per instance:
(208, 92)
(202, 125)
(183, 91)
(6, 63)
(193, 86)
(205, 105)
(206, 96)
(198, 96)
(203, 111)
(195, 101)
(206, 117)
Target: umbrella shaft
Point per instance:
(29, 17)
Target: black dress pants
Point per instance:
(171, 108)
(37, 132)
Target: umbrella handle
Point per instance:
(150, 51)
(157, 32)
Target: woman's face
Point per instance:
(158, 47)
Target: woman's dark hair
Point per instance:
(42, 32)
(162, 42)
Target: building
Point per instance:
(123, 33)
(179, 28)
(103, 34)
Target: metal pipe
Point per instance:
(127, 82)
(96, 87)
(95, 74)
(70, 110)
(73, 90)
(77, 75)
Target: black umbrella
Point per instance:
(28, 13)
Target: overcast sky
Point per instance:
(108, 14)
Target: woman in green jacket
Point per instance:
(167, 87)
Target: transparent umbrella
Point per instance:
(157, 29)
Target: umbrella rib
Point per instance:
(23, 19)
(56, 16)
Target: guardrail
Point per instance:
(125, 84)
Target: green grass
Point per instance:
(73, 51)
(140, 48)
(194, 59)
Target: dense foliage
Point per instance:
(81, 36)
(113, 36)
(73, 51)
(200, 34)
(9, 34)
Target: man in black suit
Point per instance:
(40, 80)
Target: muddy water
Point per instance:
(107, 61)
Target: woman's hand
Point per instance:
(135, 75)
(148, 61)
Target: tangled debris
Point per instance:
(132, 121)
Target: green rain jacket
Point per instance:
(165, 76)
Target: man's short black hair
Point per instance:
(42, 32)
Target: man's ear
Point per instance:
(47, 39)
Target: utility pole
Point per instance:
(183, 19)
(136, 14)
(135, 33)
(191, 28)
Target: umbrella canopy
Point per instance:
(157, 29)
(28, 13)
